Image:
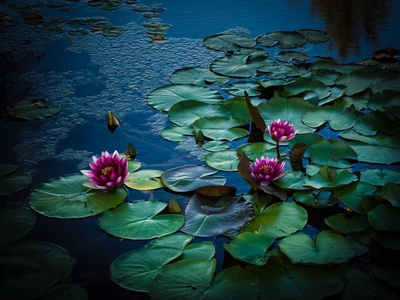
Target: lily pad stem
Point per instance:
(277, 150)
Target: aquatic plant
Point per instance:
(107, 171)
(267, 170)
(281, 132)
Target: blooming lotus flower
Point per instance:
(107, 171)
(281, 131)
(267, 170)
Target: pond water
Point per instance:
(91, 75)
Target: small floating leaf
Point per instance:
(221, 128)
(391, 193)
(223, 160)
(284, 39)
(332, 153)
(228, 42)
(378, 178)
(144, 180)
(316, 199)
(307, 138)
(289, 56)
(113, 31)
(31, 111)
(371, 123)
(347, 225)
(140, 220)
(384, 217)
(197, 76)
(327, 178)
(12, 183)
(352, 195)
(238, 88)
(176, 133)
(299, 85)
(339, 118)
(314, 36)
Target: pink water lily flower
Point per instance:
(281, 131)
(267, 170)
(107, 171)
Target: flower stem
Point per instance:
(277, 150)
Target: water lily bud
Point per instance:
(174, 206)
(199, 136)
(130, 151)
(112, 122)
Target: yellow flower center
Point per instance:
(265, 167)
(106, 170)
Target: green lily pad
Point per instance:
(326, 76)
(289, 56)
(12, 183)
(329, 247)
(284, 39)
(197, 76)
(228, 42)
(176, 133)
(65, 292)
(359, 101)
(315, 199)
(241, 66)
(189, 178)
(299, 85)
(206, 218)
(239, 87)
(352, 195)
(223, 160)
(193, 279)
(163, 98)
(384, 217)
(328, 178)
(136, 270)
(339, 118)
(65, 197)
(379, 149)
(144, 180)
(292, 181)
(347, 225)
(215, 146)
(258, 149)
(332, 153)
(250, 247)
(140, 220)
(6, 169)
(378, 178)
(314, 36)
(286, 109)
(205, 251)
(221, 128)
(388, 240)
(15, 223)
(307, 138)
(294, 281)
(278, 220)
(31, 111)
(384, 100)
(78, 32)
(140, 8)
(238, 108)
(28, 269)
(375, 121)
(275, 71)
(377, 80)
(186, 112)
(391, 192)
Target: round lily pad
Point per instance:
(223, 160)
(241, 66)
(258, 149)
(289, 56)
(378, 177)
(12, 183)
(176, 133)
(228, 42)
(163, 98)
(316, 199)
(197, 76)
(279, 281)
(136, 270)
(15, 222)
(379, 149)
(206, 218)
(113, 31)
(284, 39)
(140, 220)
(238, 108)
(189, 178)
(307, 138)
(339, 118)
(328, 178)
(292, 181)
(65, 197)
(384, 217)
(31, 111)
(185, 113)
(215, 146)
(238, 88)
(314, 36)
(352, 195)
(140, 8)
(286, 109)
(384, 100)
(205, 250)
(7, 169)
(193, 279)
(375, 121)
(275, 71)
(221, 128)
(279, 219)
(391, 192)
(332, 153)
(250, 247)
(144, 180)
(347, 225)
(300, 85)
(78, 32)
(329, 247)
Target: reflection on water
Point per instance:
(352, 22)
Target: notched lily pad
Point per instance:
(347, 225)
(31, 111)
(289, 56)
(333, 153)
(198, 76)
(144, 180)
(328, 178)
(380, 178)
(227, 160)
(228, 42)
(339, 118)
(316, 199)
(176, 133)
(221, 128)
(113, 31)
(314, 36)
(284, 39)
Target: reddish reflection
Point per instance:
(351, 22)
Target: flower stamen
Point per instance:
(106, 170)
